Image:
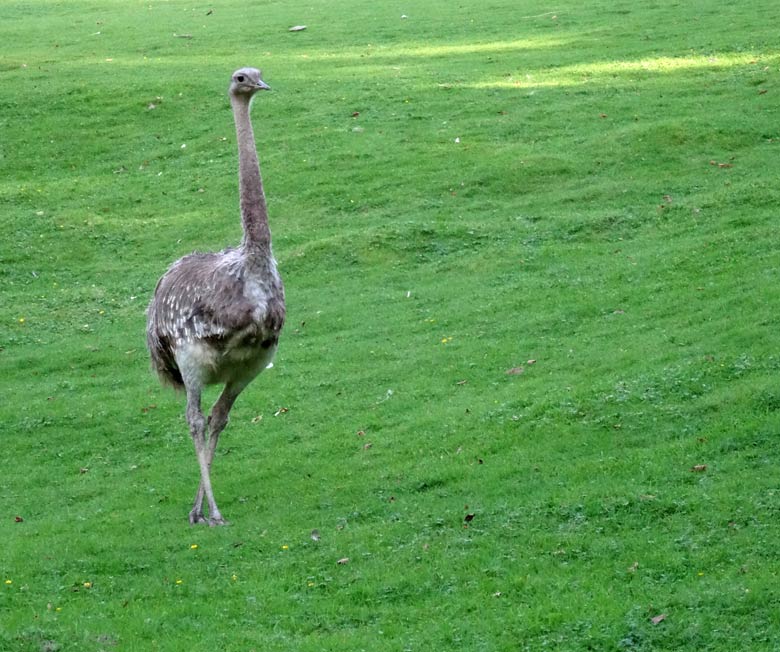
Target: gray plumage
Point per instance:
(215, 318)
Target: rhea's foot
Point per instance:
(214, 521)
(196, 518)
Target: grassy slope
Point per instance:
(582, 221)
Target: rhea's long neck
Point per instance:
(254, 212)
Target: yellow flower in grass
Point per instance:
(9, 582)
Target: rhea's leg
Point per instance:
(217, 421)
(198, 431)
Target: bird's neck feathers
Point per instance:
(254, 211)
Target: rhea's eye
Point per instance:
(240, 78)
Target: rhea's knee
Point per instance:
(196, 422)
(218, 421)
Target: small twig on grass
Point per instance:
(546, 13)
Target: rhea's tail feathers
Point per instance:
(169, 376)
(164, 362)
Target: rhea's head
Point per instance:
(247, 81)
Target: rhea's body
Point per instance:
(215, 318)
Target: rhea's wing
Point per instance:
(201, 297)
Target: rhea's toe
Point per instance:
(197, 518)
(218, 520)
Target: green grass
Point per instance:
(609, 212)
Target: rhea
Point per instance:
(215, 318)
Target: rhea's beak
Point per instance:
(262, 86)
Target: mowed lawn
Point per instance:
(527, 396)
